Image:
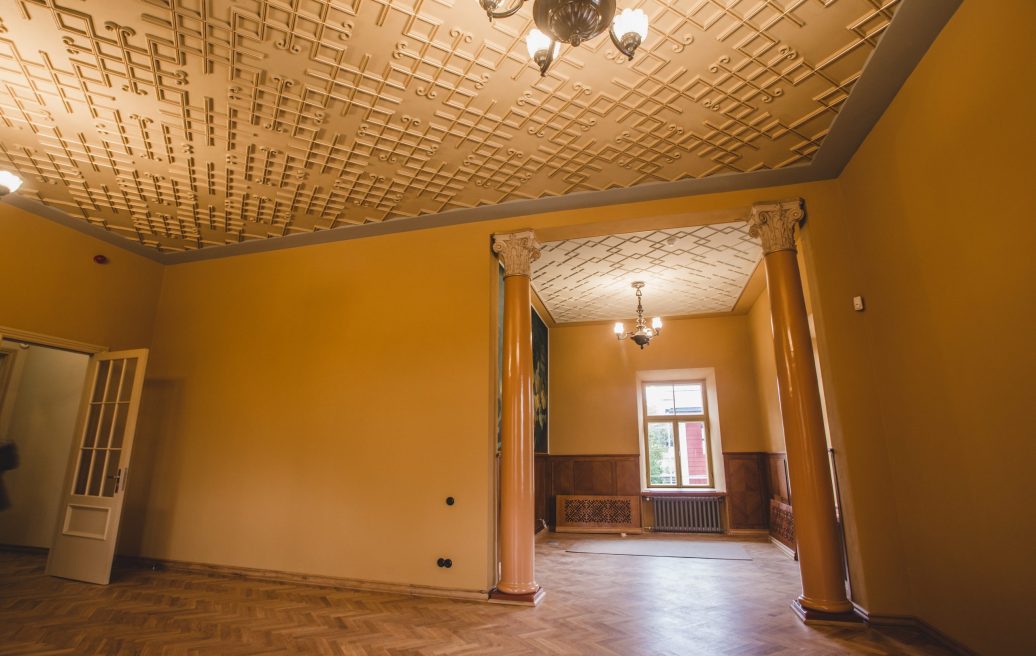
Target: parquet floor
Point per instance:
(595, 604)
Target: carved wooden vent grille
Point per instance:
(598, 514)
(782, 523)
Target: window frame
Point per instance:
(674, 420)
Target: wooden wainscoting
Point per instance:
(597, 474)
(543, 498)
(777, 476)
(753, 480)
(748, 493)
(782, 520)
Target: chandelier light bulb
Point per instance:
(9, 182)
(631, 21)
(629, 29)
(539, 45)
(538, 42)
(620, 329)
(656, 324)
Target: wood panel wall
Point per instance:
(782, 520)
(605, 475)
(748, 495)
(777, 475)
(543, 497)
(753, 479)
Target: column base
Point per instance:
(524, 599)
(810, 616)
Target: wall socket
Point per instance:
(858, 303)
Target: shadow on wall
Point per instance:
(146, 520)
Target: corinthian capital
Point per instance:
(517, 250)
(774, 223)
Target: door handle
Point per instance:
(119, 478)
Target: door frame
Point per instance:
(40, 339)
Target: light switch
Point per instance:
(858, 303)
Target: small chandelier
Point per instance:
(572, 22)
(641, 333)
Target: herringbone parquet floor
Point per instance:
(595, 604)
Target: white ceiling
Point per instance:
(693, 270)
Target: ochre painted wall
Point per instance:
(765, 374)
(937, 205)
(593, 382)
(51, 285)
(309, 409)
(312, 408)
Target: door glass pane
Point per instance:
(83, 471)
(92, 419)
(121, 410)
(659, 399)
(694, 456)
(688, 398)
(107, 417)
(96, 474)
(127, 379)
(661, 454)
(101, 381)
(108, 489)
(114, 381)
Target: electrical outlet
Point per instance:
(858, 303)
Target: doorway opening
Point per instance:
(40, 392)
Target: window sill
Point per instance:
(682, 493)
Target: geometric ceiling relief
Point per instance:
(692, 270)
(183, 124)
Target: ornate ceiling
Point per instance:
(694, 270)
(186, 124)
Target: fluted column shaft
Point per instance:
(812, 495)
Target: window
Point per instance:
(676, 435)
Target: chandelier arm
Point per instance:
(626, 47)
(507, 12)
(548, 59)
(488, 6)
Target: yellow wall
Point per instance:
(309, 409)
(49, 284)
(593, 382)
(938, 213)
(765, 374)
(315, 407)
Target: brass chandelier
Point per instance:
(572, 22)
(642, 334)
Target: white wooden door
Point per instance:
(91, 504)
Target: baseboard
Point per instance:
(252, 574)
(919, 624)
(748, 532)
(15, 548)
(784, 548)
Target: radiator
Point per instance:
(688, 515)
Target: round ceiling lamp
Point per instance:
(572, 22)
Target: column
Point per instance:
(517, 582)
(812, 496)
